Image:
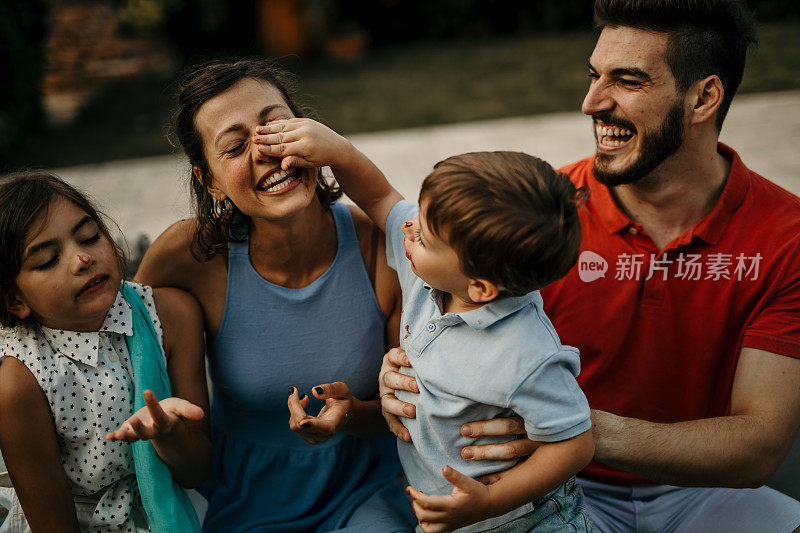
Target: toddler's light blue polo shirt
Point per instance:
(494, 361)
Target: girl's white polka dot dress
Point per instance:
(87, 378)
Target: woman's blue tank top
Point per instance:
(264, 475)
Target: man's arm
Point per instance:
(740, 450)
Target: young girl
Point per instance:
(81, 371)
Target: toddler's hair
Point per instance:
(509, 216)
(25, 197)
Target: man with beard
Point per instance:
(685, 302)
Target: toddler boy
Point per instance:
(491, 229)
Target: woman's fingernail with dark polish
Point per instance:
(291, 390)
(319, 390)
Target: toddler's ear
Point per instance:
(16, 306)
(481, 290)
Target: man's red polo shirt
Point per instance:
(660, 331)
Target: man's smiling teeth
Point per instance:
(606, 134)
(277, 181)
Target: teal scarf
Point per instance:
(167, 506)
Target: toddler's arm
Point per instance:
(471, 501)
(30, 450)
(307, 143)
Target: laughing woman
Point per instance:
(297, 300)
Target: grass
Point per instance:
(436, 83)
(398, 87)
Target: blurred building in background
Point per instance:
(89, 44)
(57, 56)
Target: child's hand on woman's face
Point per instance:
(335, 413)
(300, 142)
(156, 419)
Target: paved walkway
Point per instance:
(146, 195)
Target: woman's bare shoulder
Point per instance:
(373, 252)
(364, 226)
(169, 261)
(178, 237)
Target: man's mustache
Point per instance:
(607, 118)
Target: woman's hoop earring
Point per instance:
(220, 208)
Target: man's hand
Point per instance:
(512, 449)
(468, 503)
(156, 419)
(389, 380)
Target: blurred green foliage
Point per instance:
(146, 17)
(391, 21)
(478, 72)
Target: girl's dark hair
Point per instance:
(25, 197)
(705, 37)
(216, 220)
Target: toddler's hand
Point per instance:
(468, 503)
(334, 414)
(156, 419)
(300, 142)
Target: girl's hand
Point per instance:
(468, 503)
(389, 380)
(301, 142)
(156, 419)
(335, 413)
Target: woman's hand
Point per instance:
(468, 503)
(156, 419)
(329, 420)
(301, 142)
(389, 380)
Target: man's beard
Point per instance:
(656, 146)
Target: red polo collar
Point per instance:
(710, 229)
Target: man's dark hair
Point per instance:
(706, 37)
